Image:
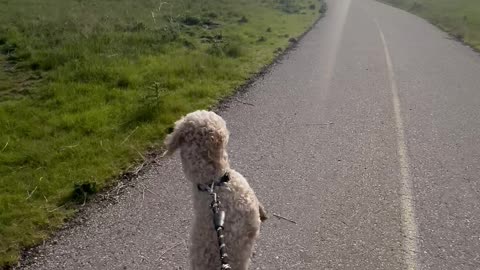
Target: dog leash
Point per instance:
(218, 218)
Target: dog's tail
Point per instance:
(263, 212)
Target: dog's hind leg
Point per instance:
(262, 211)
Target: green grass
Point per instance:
(461, 18)
(86, 86)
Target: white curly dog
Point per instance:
(202, 137)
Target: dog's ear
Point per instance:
(174, 140)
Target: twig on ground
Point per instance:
(55, 209)
(320, 124)
(162, 155)
(145, 188)
(120, 187)
(142, 156)
(129, 135)
(154, 193)
(128, 168)
(138, 168)
(5, 145)
(169, 249)
(70, 146)
(31, 193)
(284, 218)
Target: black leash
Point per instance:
(218, 218)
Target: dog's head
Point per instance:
(200, 131)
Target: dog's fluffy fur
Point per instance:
(202, 137)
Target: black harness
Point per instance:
(221, 182)
(218, 217)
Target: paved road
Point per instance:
(367, 135)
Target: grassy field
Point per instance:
(87, 86)
(461, 18)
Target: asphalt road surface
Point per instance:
(367, 135)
